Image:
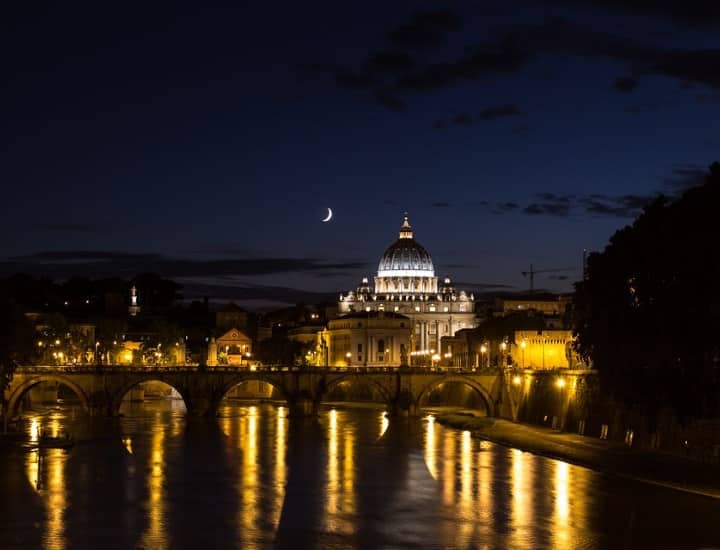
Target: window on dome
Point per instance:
(432, 307)
(417, 308)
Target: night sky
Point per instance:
(206, 143)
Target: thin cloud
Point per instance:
(547, 209)
(625, 85)
(110, 263)
(499, 111)
(70, 228)
(485, 115)
(684, 176)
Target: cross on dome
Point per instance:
(405, 228)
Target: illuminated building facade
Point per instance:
(545, 349)
(368, 339)
(406, 284)
(232, 348)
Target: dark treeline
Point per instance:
(648, 312)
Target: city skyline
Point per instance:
(207, 146)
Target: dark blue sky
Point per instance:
(202, 142)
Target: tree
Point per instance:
(17, 342)
(648, 311)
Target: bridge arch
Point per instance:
(19, 392)
(477, 387)
(351, 378)
(251, 377)
(119, 395)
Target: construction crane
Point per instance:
(534, 272)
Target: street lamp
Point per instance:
(483, 349)
(247, 357)
(348, 355)
(434, 359)
(97, 344)
(503, 347)
(523, 345)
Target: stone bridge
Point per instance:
(101, 389)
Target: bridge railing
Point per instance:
(88, 368)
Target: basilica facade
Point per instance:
(406, 284)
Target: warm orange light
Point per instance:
(560, 382)
(516, 380)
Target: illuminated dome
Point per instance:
(406, 257)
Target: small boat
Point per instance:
(60, 442)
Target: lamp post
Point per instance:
(483, 349)
(348, 355)
(503, 347)
(523, 345)
(97, 344)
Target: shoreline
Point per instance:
(607, 457)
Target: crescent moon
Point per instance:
(329, 215)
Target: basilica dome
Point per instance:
(406, 257)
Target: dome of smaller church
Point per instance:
(406, 257)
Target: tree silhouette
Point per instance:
(17, 342)
(648, 311)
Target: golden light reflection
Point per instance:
(448, 467)
(384, 423)
(54, 427)
(486, 474)
(522, 482)
(250, 472)
(430, 450)
(34, 430)
(127, 441)
(280, 466)
(561, 529)
(467, 504)
(341, 498)
(56, 502)
(155, 535)
(32, 468)
(333, 472)
(349, 475)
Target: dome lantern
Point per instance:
(406, 257)
(405, 229)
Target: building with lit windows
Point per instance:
(367, 339)
(406, 284)
(232, 348)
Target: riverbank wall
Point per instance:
(571, 401)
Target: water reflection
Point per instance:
(340, 490)
(56, 501)
(160, 480)
(430, 446)
(523, 474)
(155, 535)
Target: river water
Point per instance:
(254, 478)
